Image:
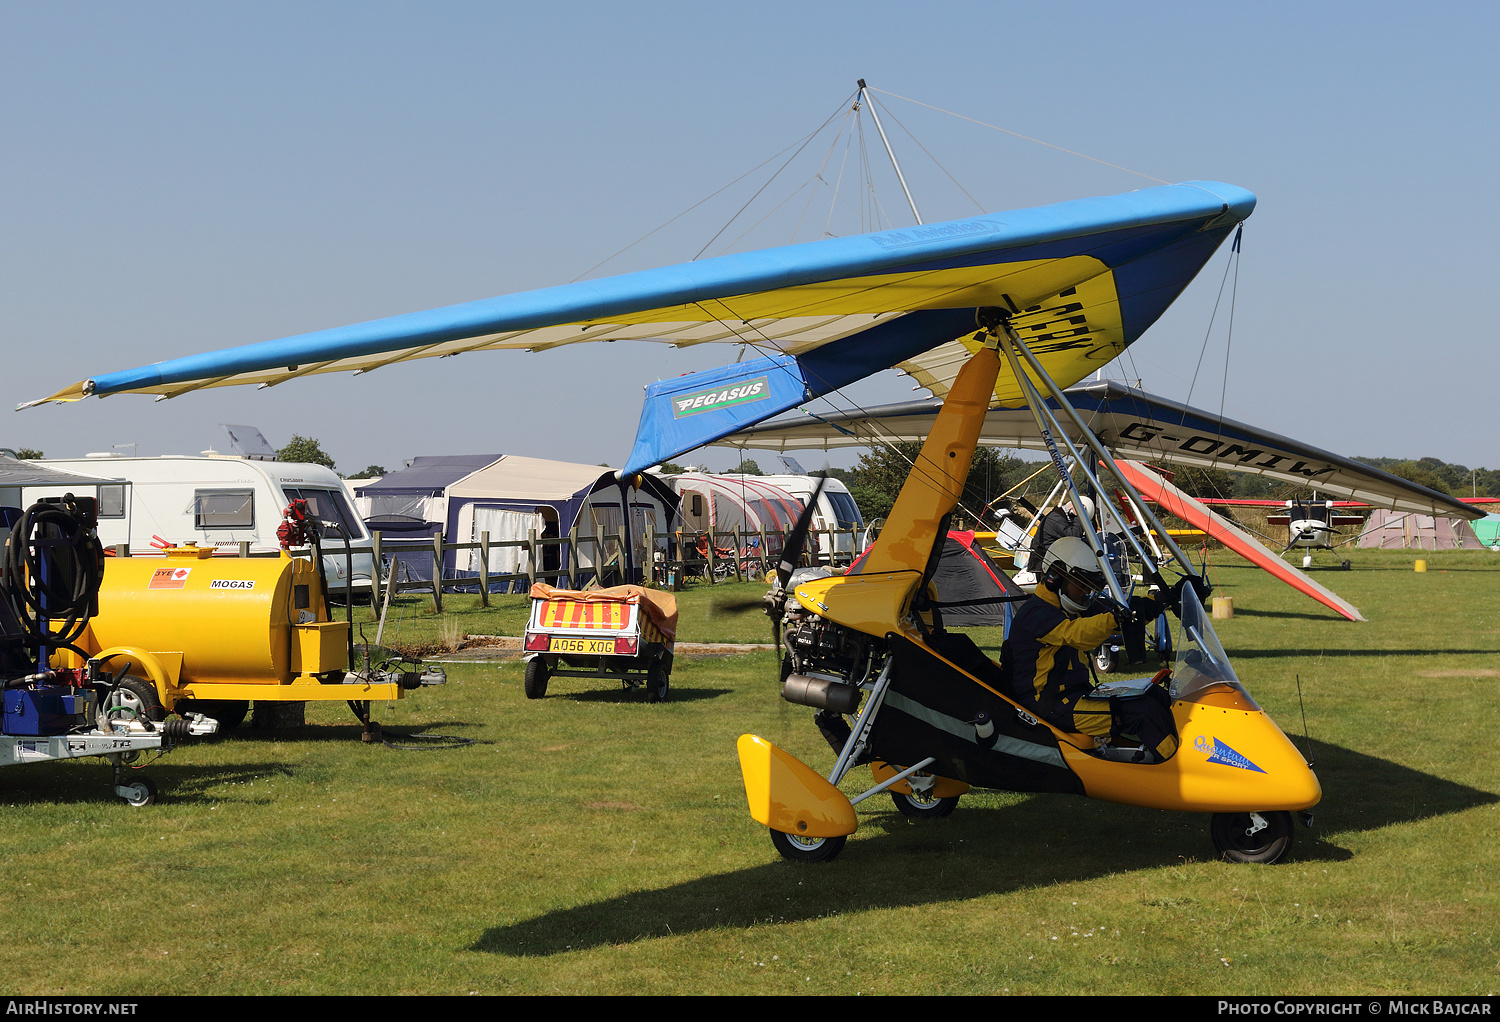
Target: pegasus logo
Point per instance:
(741, 393)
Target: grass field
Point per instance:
(592, 843)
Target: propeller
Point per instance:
(774, 602)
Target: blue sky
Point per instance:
(186, 177)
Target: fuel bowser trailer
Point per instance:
(212, 634)
(59, 702)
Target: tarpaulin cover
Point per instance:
(658, 606)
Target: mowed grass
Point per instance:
(591, 843)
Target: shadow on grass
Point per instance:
(183, 784)
(1282, 651)
(1042, 840)
(618, 694)
(350, 733)
(1294, 614)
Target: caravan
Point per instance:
(216, 501)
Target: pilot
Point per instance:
(1061, 521)
(1044, 658)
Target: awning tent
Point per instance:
(726, 503)
(1389, 530)
(510, 497)
(14, 474)
(970, 589)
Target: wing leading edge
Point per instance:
(1087, 276)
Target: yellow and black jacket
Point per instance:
(1044, 654)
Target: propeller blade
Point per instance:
(740, 606)
(791, 552)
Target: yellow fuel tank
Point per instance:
(235, 620)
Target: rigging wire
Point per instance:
(933, 158)
(800, 144)
(772, 178)
(1017, 134)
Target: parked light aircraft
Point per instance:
(1063, 289)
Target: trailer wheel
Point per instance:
(134, 698)
(536, 678)
(807, 849)
(142, 792)
(658, 682)
(1240, 837)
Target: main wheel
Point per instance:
(924, 805)
(536, 678)
(658, 682)
(142, 792)
(134, 699)
(807, 849)
(1105, 659)
(1240, 838)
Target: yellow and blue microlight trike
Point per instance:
(933, 715)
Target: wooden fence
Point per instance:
(675, 557)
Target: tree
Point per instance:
(880, 473)
(748, 468)
(305, 449)
(370, 470)
(29, 454)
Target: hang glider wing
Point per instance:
(1173, 500)
(1085, 278)
(1132, 424)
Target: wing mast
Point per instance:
(864, 93)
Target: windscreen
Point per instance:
(328, 506)
(1201, 661)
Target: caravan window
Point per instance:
(112, 501)
(328, 506)
(845, 510)
(223, 509)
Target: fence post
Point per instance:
(437, 573)
(375, 582)
(530, 559)
(484, 568)
(573, 555)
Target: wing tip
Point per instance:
(77, 392)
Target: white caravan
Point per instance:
(219, 501)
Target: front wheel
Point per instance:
(1252, 837)
(1105, 659)
(925, 805)
(142, 792)
(536, 678)
(807, 849)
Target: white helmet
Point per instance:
(1070, 559)
(1085, 506)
